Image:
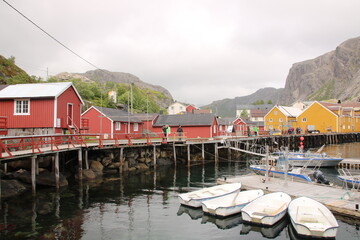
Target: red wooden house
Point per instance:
(113, 123)
(191, 108)
(232, 126)
(40, 108)
(193, 125)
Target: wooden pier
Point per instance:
(340, 201)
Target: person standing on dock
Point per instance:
(256, 130)
(179, 131)
(164, 129)
(168, 131)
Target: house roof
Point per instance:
(185, 120)
(258, 112)
(36, 90)
(290, 111)
(117, 115)
(252, 106)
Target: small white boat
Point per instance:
(311, 218)
(194, 199)
(230, 204)
(267, 209)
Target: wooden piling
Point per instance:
(188, 153)
(174, 150)
(80, 163)
(86, 156)
(33, 174)
(56, 164)
(216, 153)
(121, 160)
(203, 151)
(155, 157)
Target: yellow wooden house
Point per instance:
(330, 117)
(281, 118)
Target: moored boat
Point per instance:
(349, 179)
(311, 218)
(267, 209)
(194, 198)
(230, 204)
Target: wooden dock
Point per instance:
(339, 201)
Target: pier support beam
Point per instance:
(188, 153)
(86, 156)
(174, 150)
(121, 160)
(216, 153)
(155, 157)
(33, 174)
(203, 151)
(56, 163)
(80, 163)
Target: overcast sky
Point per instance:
(200, 50)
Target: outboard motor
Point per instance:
(320, 178)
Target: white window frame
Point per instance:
(280, 120)
(136, 127)
(21, 112)
(117, 126)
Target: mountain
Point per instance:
(227, 107)
(120, 77)
(334, 75)
(12, 74)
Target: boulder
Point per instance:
(10, 188)
(142, 167)
(88, 174)
(97, 167)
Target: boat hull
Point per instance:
(267, 209)
(194, 199)
(312, 162)
(230, 204)
(312, 219)
(260, 169)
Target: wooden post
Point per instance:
(188, 152)
(80, 163)
(203, 151)
(57, 170)
(5, 167)
(216, 153)
(121, 160)
(86, 159)
(174, 150)
(155, 157)
(33, 175)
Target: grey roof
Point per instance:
(146, 117)
(117, 115)
(226, 120)
(185, 120)
(251, 106)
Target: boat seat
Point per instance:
(308, 219)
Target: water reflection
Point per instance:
(135, 206)
(266, 231)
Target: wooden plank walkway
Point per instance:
(338, 200)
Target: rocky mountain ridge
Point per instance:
(101, 75)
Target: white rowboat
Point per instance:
(230, 204)
(194, 199)
(267, 209)
(311, 218)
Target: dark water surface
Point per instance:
(143, 206)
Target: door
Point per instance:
(70, 114)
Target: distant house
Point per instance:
(193, 125)
(331, 117)
(252, 112)
(191, 108)
(41, 108)
(176, 108)
(281, 118)
(232, 126)
(113, 123)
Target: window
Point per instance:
(117, 125)
(304, 120)
(275, 112)
(136, 127)
(22, 107)
(280, 120)
(270, 120)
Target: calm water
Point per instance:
(142, 206)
